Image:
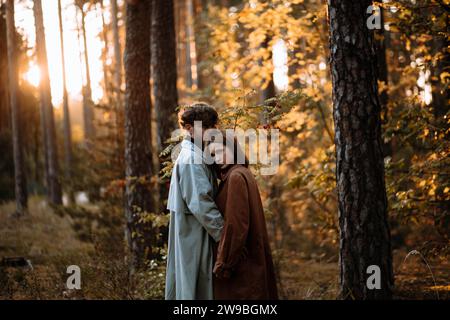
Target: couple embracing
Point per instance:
(218, 242)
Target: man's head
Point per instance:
(198, 111)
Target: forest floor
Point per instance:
(318, 280)
(51, 244)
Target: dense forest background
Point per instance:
(85, 150)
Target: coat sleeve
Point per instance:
(237, 218)
(197, 192)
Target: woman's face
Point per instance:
(222, 154)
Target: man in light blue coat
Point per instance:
(195, 221)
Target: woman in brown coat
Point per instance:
(243, 267)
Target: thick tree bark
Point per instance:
(164, 68)
(364, 230)
(382, 63)
(383, 76)
(68, 157)
(19, 169)
(46, 105)
(138, 163)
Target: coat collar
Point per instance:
(187, 144)
(226, 169)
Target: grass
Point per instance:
(41, 235)
(308, 279)
(51, 243)
(417, 278)
(319, 280)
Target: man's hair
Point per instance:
(198, 111)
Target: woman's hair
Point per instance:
(198, 111)
(238, 153)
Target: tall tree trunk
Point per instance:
(200, 7)
(117, 75)
(105, 53)
(269, 91)
(67, 128)
(19, 169)
(138, 153)
(440, 92)
(183, 34)
(191, 58)
(43, 126)
(117, 50)
(187, 45)
(88, 113)
(82, 75)
(180, 33)
(383, 76)
(294, 81)
(46, 104)
(164, 68)
(5, 119)
(381, 56)
(363, 221)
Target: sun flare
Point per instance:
(75, 67)
(33, 75)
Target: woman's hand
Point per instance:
(221, 273)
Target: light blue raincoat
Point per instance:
(195, 222)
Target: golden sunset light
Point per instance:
(75, 69)
(33, 75)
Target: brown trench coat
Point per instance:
(243, 268)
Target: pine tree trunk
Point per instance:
(382, 63)
(138, 153)
(200, 8)
(164, 68)
(43, 127)
(191, 76)
(440, 92)
(363, 220)
(269, 91)
(118, 102)
(117, 50)
(5, 119)
(19, 169)
(180, 32)
(46, 105)
(68, 157)
(105, 54)
(88, 113)
(383, 76)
